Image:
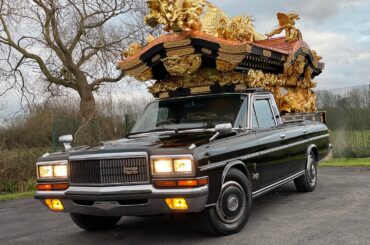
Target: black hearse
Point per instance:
(210, 154)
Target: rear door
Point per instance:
(269, 134)
(295, 138)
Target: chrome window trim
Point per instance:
(268, 98)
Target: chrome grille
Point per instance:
(109, 171)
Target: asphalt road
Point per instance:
(338, 212)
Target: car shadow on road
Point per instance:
(178, 229)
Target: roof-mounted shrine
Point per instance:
(205, 51)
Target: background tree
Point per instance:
(70, 43)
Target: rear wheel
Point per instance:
(94, 223)
(232, 209)
(307, 182)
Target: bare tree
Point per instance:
(70, 43)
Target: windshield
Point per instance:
(193, 113)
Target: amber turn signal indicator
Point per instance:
(50, 187)
(188, 183)
(177, 203)
(181, 183)
(54, 204)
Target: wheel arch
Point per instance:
(237, 165)
(313, 148)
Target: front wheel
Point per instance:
(94, 223)
(307, 182)
(233, 207)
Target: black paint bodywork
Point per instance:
(266, 156)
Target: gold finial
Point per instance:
(287, 24)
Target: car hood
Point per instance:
(148, 142)
(168, 140)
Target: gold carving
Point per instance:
(240, 28)
(133, 49)
(175, 15)
(145, 76)
(294, 71)
(298, 100)
(182, 66)
(287, 24)
(267, 53)
(150, 38)
(225, 66)
(317, 57)
(185, 15)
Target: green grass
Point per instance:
(348, 162)
(9, 196)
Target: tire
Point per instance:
(307, 182)
(233, 207)
(94, 223)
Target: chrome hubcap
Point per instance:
(232, 203)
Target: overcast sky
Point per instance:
(338, 29)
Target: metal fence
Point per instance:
(348, 118)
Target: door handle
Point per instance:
(304, 131)
(282, 136)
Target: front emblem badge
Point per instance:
(130, 170)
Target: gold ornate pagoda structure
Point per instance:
(205, 51)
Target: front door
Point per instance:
(269, 134)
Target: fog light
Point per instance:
(54, 204)
(177, 203)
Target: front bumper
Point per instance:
(125, 200)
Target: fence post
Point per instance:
(53, 136)
(126, 124)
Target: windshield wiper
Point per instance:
(191, 129)
(153, 130)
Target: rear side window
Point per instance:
(264, 118)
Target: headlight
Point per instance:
(50, 170)
(183, 165)
(172, 165)
(60, 171)
(163, 166)
(46, 171)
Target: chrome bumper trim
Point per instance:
(106, 199)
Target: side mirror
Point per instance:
(224, 128)
(66, 140)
